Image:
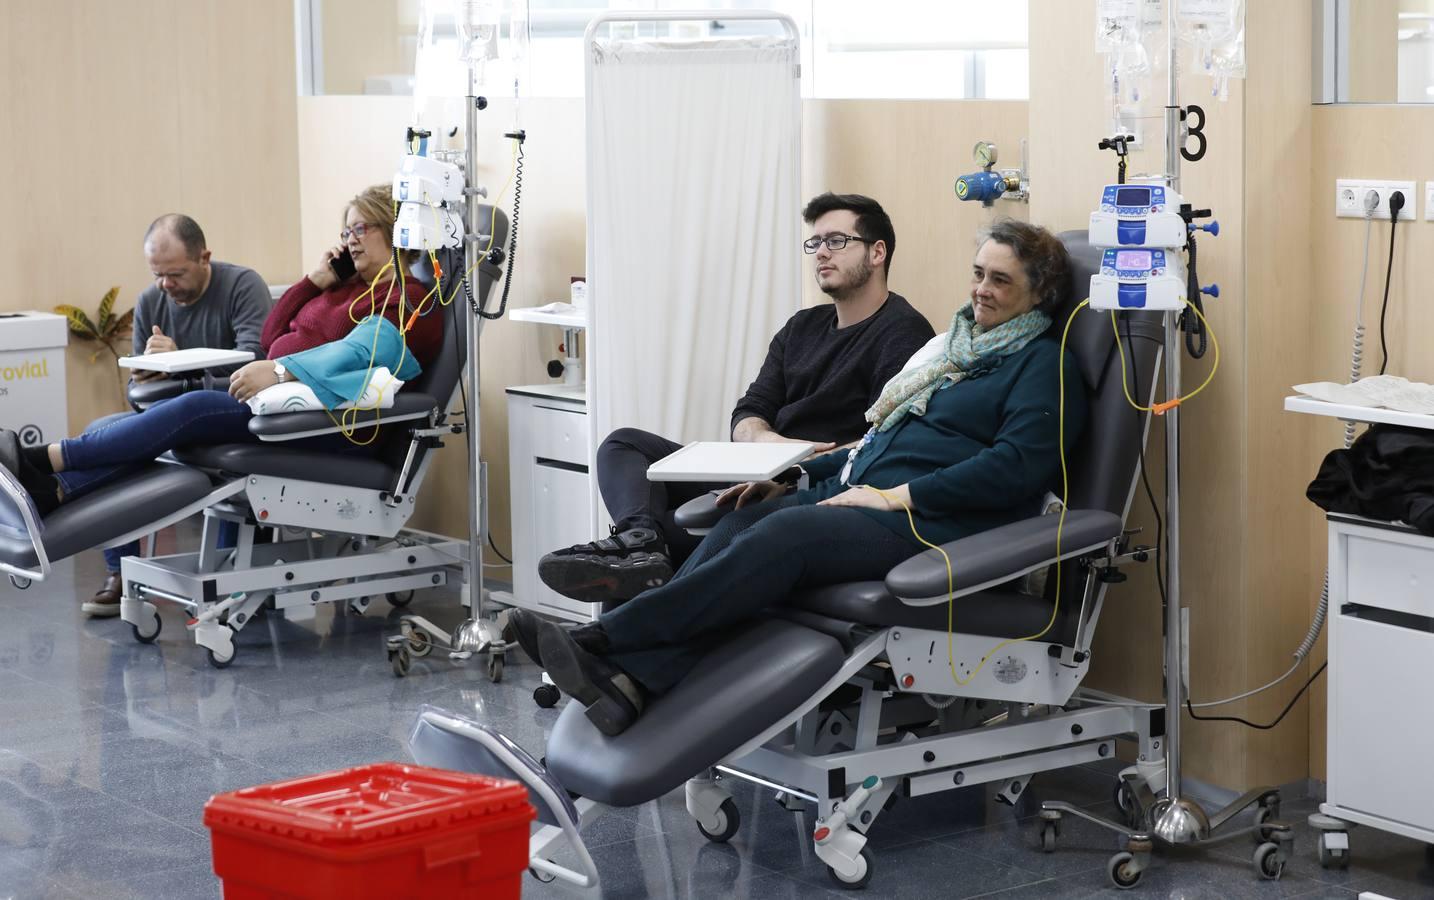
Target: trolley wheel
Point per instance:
(1267, 861)
(400, 660)
(495, 667)
(1049, 832)
(419, 643)
(400, 599)
(20, 582)
(1120, 872)
(868, 865)
(1125, 802)
(224, 661)
(148, 636)
(1331, 858)
(547, 695)
(728, 821)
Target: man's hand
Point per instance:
(323, 277)
(750, 492)
(159, 343)
(252, 378)
(863, 497)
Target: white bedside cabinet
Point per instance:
(551, 489)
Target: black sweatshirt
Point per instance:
(818, 380)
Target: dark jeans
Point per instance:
(635, 502)
(755, 559)
(113, 555)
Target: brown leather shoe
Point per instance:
(106, 601)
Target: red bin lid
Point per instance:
(367, 803)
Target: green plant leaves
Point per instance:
(106, 317)
(79, 323)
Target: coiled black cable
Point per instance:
(1196, 340)
(518, 136)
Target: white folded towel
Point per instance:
(296, 397)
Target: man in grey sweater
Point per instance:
(194, 302)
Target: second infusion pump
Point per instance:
(1142, 231)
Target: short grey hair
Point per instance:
(183, 228)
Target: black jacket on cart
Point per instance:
(1387, 474)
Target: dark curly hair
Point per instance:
(1041, 254)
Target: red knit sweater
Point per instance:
(306, 317)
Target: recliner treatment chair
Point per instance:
(344, 514)
(847, 695)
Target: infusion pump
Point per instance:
(1139, 279)
(1138, 215)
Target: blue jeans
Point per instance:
(118, 446)
(754, 559)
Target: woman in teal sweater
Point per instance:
(966, 436)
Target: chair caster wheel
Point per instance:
(221, 660)
(542, 877)
(728, 821)
(1049, 832)
(1122, 874)
(1265, 812)
(148, 635)
(1125, 803)
(495, 667)
(1269, 862)
(547, 695)
(400, 600)
(867, 867)
(19, 582)
(400, 660)
(418, 640)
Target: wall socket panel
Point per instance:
(1429, 201)
(1349, 198)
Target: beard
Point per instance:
(855, 281)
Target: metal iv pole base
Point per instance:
(473, 637)
(1177, 821)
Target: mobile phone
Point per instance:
(343, 265)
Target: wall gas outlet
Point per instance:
(1349, 197)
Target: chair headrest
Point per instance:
(1090, 336)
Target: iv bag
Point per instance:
(1215, 31)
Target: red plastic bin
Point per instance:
(382, 831)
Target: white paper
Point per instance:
(1377, 391)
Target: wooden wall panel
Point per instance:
(117, 112)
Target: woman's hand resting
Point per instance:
(866, 498)
(750, 492)
(252, 378)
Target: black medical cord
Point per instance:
(497, 551)
(518, 136)
(1266, 727)
(1396, 203)
(1190, 323)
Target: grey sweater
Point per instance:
(229, 315)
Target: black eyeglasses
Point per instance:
(834, 242)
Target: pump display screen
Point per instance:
(1133, 260)
(1132, 196)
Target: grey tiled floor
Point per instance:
(109, 748)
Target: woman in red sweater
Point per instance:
(321, 308)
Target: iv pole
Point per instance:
(1172, 817)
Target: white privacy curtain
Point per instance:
(693, 227)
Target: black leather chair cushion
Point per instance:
(763, 672)
(406, 403)
(1000, 612)
(353, 470)
(136, 500)
(701, 513)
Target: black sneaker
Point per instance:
(39, 486)
(613, 700)
(615, 568)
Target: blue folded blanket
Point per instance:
(338, 371)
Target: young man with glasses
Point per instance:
(823, 370)
(195, 301)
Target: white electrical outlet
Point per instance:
(1429, 201)
(1349, 198)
